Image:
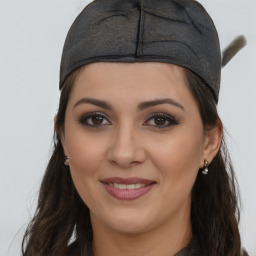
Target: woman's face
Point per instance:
(135, 139)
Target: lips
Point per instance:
(127, 189)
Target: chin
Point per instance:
(129, 222)
(133, 226)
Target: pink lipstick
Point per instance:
(127, 189)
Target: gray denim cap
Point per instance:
(171, 31)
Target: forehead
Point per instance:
(149, 79)
(125, 85)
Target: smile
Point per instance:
(127, 189)
(124, 186)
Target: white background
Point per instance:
(32, 34)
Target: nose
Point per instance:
(126, 149)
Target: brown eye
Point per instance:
(94, 120)
(97, 120)
(161, 120)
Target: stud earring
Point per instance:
(66, 161)
(205, 170)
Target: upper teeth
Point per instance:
(128, 186)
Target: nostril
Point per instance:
(125, 152)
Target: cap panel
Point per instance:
(173, 31)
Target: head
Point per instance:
(148, 125)
(155, 120)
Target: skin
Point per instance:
(129, 143)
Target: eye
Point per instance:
(161, 120)
(94, 120)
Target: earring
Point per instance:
(66, 161)
(205, 170)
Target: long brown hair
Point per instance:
(61, 216)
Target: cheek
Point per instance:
(84, 149)
(86, 156)
(178, 160)
(177, 154)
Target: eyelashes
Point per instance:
(94, 120)
(156, 120)
(160, 120)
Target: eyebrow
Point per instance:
(99, 103)
(141, 106)
(152, 103)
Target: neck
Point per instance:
(165, 240)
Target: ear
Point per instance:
(213, 137)
(61, 135)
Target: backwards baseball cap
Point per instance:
(171, 31)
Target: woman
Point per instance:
(140, 165)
